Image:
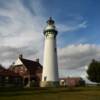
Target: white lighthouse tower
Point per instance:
(50, 64)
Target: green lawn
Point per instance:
(79, 93)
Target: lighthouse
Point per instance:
(50, 63)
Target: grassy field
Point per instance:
(79, 93)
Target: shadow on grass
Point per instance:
(8, 92)
(33, 91)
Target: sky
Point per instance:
(21, 32)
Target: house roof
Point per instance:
(71, 78)
(30, 64)
(1, 68)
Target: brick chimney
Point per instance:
(20, 56)
(37, 60)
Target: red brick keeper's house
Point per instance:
(30, 71)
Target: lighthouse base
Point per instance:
(49, 84)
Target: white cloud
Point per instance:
(20, 30)
(74, 59)
(72, 72)
(76, 56)
(22, 26)
(74, 27)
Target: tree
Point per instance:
(94, 71)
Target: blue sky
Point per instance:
(21, 31)
(73, 12)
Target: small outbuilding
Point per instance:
(72, 81)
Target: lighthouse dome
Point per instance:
(50, 26)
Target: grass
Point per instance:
(79, 93)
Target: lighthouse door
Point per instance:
(45, 78)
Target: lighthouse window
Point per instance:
(47, 35)
(45, 78)
(55, 49)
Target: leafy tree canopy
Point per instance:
(94, 71)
